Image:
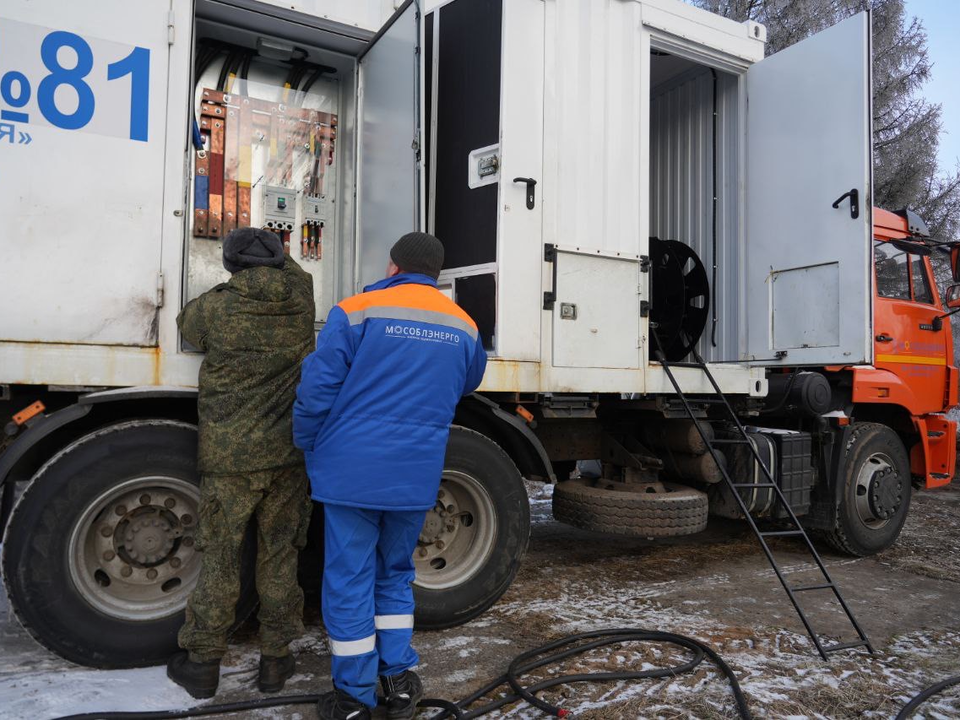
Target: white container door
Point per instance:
(520, 213)
(389, 186)
(808, 201)
(82, 127)
(596, 311)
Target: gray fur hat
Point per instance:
(252, 247)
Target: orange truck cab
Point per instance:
(887, 431)
(913, 380)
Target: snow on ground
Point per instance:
(716, 589)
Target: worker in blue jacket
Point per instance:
(372, 416)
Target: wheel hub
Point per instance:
(132, 552)
(457, 534)
(879, 491)
(885, 493)
(147, 539)
(441, 524)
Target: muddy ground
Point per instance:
(715, 587)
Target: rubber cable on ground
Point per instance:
(922, 697)
(521, 665)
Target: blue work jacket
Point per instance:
(376, 398)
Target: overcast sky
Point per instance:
(941, 19)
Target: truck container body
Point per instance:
(611, 180)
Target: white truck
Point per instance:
(548, 143)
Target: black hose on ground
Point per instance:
(521, 665)
(922, 697)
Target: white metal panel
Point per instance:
(793, 303)
(596, 317)
(520, 235)
(592, 125)
(365, 14)
(389, 126)
(81, 190)
(808, 142)
(681, 189)
(711, 34)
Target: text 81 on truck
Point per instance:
(622, 189)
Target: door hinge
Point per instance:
(644, 308)
(159, 290)
(171, 28)
(644, 263)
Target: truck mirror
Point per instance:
(953, 295)
(955, 261)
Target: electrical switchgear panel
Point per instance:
(264, 155)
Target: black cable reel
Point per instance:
(680, 296)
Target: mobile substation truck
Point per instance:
(666, 239)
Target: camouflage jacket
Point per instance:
(256, 329)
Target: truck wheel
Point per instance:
(876, 491)
(603, 506)
(99, 556)
(473, 540)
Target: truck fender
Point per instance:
(137, 393)
(519, 430)
(44, 426)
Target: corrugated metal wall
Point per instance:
(681, 178)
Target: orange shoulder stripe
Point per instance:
(420, 297)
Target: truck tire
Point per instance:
(98, 556)
(875, 477)
(678, 511)
(475, 537)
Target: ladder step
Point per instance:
(695, 366)
(846, 646)
(804, 588)
(753, 485)
(781, 533)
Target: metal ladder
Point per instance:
(792, 590)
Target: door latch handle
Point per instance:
(884, 338)
(550, 256)
(531, 191)
(854, 196)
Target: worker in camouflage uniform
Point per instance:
(255, 329)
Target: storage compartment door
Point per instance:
(82, 129)
(388, 195)
(807, 259)
(596, 313)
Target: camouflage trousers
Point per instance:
(280, 503)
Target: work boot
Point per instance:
(403, 692)
(200, 679)
(339, 705)
(274, 672)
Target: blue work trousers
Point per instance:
(367, 594)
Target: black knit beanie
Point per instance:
(252, 247)
(418, 252)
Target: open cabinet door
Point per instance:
(388, 203)
(807, 260)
